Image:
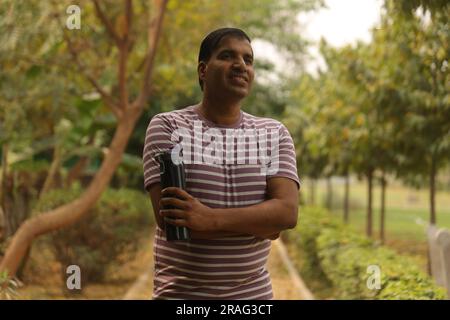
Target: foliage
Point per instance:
(39, 80)
(110, 230)
(338, 254)
(8, 287)
(379, 107)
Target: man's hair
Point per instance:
(212, 40)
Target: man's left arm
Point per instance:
(270, 217)
(266, 219)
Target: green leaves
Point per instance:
(8, 287)
(382, 105)
(341, 255)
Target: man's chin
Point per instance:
(239, 92)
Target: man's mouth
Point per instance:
(239, 78)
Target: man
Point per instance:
(237, 196)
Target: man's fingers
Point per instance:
(180, 204)
(173, 213)
(177, 192)
(176, 222)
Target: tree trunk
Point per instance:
(432, 182)
(52, 172)
(313, 192)
(382, 211)
(23, 263)
(127, 114)
(432, 191)
(369, 203)
(3, 212)
(346, 198)
(76, 170)
(329, 194)
(79, 167)
(8, 205)
(2, 224)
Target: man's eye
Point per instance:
(249, 61)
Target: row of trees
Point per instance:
(380, 108)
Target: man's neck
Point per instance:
(220, 112)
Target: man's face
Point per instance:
(229, 71)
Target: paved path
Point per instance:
(286, 282)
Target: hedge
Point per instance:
(336, 253)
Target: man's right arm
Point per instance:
(155, 196)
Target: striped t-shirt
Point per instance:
(226, 167)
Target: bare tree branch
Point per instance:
(107, 99)
(128, 18)
(154, 31)
(123, 55)
(109, 27)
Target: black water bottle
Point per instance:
(172, 175)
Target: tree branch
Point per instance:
(124, 48)
(122, 75)
(107, 99)
(52, 172)
(128, 18)
(109, 28)
(154, 31)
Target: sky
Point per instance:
(341, 22)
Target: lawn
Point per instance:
(407, 213)
(407, 209)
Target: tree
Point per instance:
(302, 119)
(126, 112)
(417, 50)
(31, 87)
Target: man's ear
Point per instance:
(201, 69)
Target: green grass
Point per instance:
(399, 223)
(407, 209)
(407, 213)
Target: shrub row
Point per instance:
(335, 253)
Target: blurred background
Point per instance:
(363, 87)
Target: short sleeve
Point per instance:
(283, 157)
(157, 140)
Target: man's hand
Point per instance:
(189, 212)
(263, 220)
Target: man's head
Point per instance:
(225, 62)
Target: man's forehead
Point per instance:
(228, 42)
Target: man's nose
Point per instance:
(239, 64)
